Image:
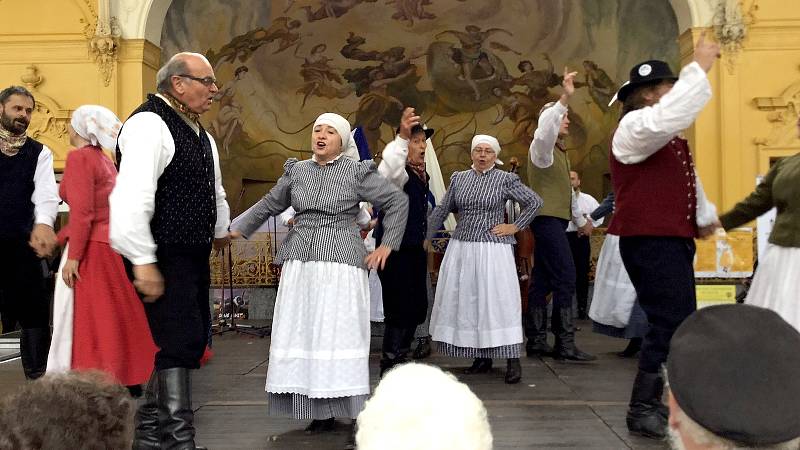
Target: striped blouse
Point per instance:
(326, 199)
(479, 199)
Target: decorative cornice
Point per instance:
(731, 21)
(102, 36)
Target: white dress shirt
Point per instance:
(147, 147)
(546, 135)
(393, 162)
(544, 144)
(45, 190)
(585, 204)
(643, 132)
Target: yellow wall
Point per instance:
(733, 139)
(727, 132)
(52, 36)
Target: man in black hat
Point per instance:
(731, 385)
(660, 210)
(403, 279)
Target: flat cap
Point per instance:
(735, 370)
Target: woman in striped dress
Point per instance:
(477, 311)
(318, 360)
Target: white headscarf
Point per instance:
(342, 127)
(351, 152)
(489, 140)
(97, 125)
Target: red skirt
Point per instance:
(110, 330)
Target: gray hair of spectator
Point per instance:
(705, 437)
(421, 406)
(175, 66)
(15, 90)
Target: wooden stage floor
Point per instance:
(557, 405)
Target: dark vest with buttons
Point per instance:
(656, 197)
(185, 201)
(417, 224)
(16, 189)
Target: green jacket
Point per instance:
(781, 189)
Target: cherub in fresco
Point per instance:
(319, 78)
(538, 82)
(393, 63)
(601, 86)
(408, 10)
(377, 106)
(332, 8)
(282, 29)
(520, 109)
(471, 57)
(228, 122)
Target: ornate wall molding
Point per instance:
(731, 22)
(49, 121)
(102, 34)
(782, 113)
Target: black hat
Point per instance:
(735, 370)
(645, 73)
(419, 129)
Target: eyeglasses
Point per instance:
(483, 151)
(207, 81)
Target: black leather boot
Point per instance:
(395, 348)
(175, 409)
(321, 426)
(634, 345)
(351, 437)
(643, 417)
(513, 371)
(34, 345)
(148, 434)
(536, 331)
(423, 349)
(564, 329)
(480, 365)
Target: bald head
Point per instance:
(180, 63)
(189, 78)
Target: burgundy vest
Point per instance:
(657, 196)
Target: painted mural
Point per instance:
(467, 66)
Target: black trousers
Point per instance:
(404, 287)
(179, 319)
(662, 273)
(23, 297)
(553, 268)
(581, 255)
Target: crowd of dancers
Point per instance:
(132, 290)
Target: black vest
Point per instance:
(16, 189)
(417, 224)
(185, 201)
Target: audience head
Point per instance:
(420, 407)
(734, 380)
(74, 410)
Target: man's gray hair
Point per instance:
(175, 66)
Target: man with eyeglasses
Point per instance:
(168, 209)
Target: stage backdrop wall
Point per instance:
(467, 66)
